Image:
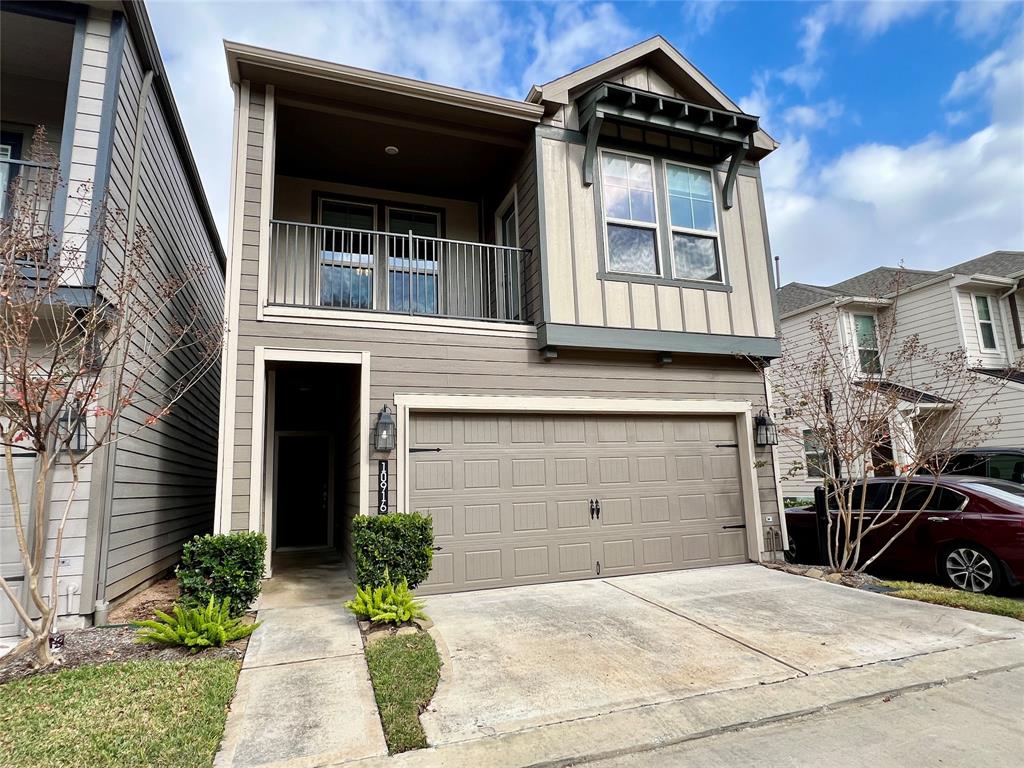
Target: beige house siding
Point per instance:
(163, 478)
(579, 295)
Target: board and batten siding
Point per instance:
(579, 295)
(419, 360)
(163, 477)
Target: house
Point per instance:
(91, 75)
(974, 306)
(558, 309)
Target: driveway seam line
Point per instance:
(565, 762)
(719, 632)
(303, 661)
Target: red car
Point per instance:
(970, 535)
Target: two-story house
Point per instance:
(974, 306)
(560, 306)
(91, 75)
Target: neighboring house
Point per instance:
(975, 305)
(92, 76)
(564, 301)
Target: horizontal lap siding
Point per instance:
(164, 475)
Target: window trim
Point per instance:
(371, 264)
(991, 321)
(857, 348)
(654, 226)
(715, 236)
(510, 201)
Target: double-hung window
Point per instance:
(815, 457)
(691, 202)
(865, 336)
(627, 185)
(986, 325)
(414, 265)
(347, 253)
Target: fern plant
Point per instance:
(195, 628)
(391, 603)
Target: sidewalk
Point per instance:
(304, 696)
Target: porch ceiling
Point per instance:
(436, 158)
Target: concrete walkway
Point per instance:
(304, 696)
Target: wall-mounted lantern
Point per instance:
(765, 431)
(384, 432)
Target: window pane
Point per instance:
(865, 327)
(420, 223)
(678, 180)
(696, 258)
(412, 292)
(614, 169)
(814, 455)
(348, 287)
(632, 249)
(700, 184)
(337, 213)
(682, 211)
(988, 336)
(984, 312)
(869, 362)
(616, 201)
(640, 176)
(703, 215)
(641, 205)
(1006, 466)
(509, 236)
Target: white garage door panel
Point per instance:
(510, 496)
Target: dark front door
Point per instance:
(303, 491)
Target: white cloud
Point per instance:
(479, 46)
(982, 18)
(700, 15)
(812, 116)
(929, 204)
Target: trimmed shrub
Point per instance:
(400, 544)
(222, 566)
(195, 628)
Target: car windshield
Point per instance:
(1008, 493)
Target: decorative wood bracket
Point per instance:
(730, 177)
(590, 155)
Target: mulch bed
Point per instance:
(102, 645)
(157, 597)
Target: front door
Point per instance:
(303, 492)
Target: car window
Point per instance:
(1008, 493)
(1006, 466)
(877, 493)
(966, 464)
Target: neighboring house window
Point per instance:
(691, 202)
(814, 454)
(413, 277)
(986, 326)
(866, 343)
(347, 247)
(627, 185)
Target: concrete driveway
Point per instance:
(538, 656)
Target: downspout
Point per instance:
(102, 609)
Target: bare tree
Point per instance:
(898, 409)
(80, 375)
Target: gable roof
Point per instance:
(882, 281)
(661, 54)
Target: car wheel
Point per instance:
(971, 568)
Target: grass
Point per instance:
(955, 598)
(138, 713)
(404, 670)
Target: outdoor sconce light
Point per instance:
(765, 431)
(384, 432)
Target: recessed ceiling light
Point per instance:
(391, 149)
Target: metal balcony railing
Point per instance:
(319, 266)
(26, 192)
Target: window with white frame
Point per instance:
(347, 247)
(691, 203)
(986, 324)
(865, 337)
(631, 222)
(814, 454)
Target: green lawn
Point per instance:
(138, 713)
(955, 598)
(404, 670)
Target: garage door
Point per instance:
(10, 558)
(533, 498)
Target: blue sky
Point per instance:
(901, 123)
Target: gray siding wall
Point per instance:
(419, 361)
(164, 477)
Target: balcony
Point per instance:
(318, 266)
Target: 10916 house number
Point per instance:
(382, 487)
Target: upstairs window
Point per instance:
(627, 184)
(815, 457)
(866, 343)
(691, 202)
(986, 326)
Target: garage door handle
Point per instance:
(741, 525)
(598, 509)
(593, 509)
(437, 549)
